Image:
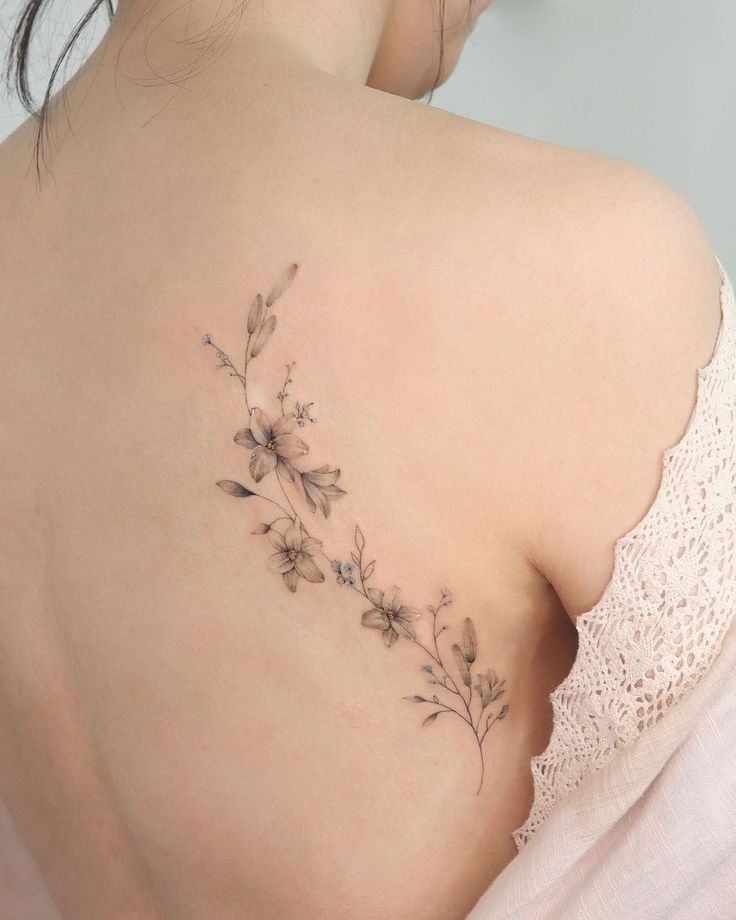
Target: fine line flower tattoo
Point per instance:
(278, 460)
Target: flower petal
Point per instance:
(402, 628)
(310, 493)
(277, 540)
(285, 468)
(392, 599)
(262, 462)
(375, 619)
(260, 426)
(408, 613)
(289, 446)
(375, 596)
(307, 568)
(280, 563)
(389, 637)
(245, 438)
(284, 424)
(322, 476)
(293, 535)
(291, 579)
(315, 498)
(333, 492)
(310, 545)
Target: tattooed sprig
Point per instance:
(276, 454)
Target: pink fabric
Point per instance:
(652, 835)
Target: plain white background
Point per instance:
(652, 81)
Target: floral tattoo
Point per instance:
(278, 458)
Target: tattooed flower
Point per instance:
(293, 559)
(272, 444)
(390, 615)
(320, 488)
(303, 414)
(345, 575)
(344, 572)
(489, 687)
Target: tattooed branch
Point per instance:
(277, 459)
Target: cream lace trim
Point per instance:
(662, 617)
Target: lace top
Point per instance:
(662, 617)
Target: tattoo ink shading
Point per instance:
(278, 460)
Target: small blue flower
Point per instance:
(335, 565)
(347, 568)
(350, 582)
(427, 668)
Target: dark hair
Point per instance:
(18, 59)
(17, 70)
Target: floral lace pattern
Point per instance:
(662, 617)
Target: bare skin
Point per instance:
(500, 337)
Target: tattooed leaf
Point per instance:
(415, 699)
(368, 571)
(430, 718)
(281, 285)
(255, 314)
(435, 698)
(234, 488)
(470, 641)
(264, 334)
(462, 664)
(261, 528)
(504, 711)
(359, 539)
(355, 558)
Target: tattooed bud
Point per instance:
(281, 285)
(470, 642)
(504, 710)
(264, 334)
(427, 668)
(255, 314)
(262, 528)
(206, 340)
(234, 488)
(462, 664)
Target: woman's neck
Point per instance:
(171, 39)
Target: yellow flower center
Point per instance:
(270, 445)
(292, 554)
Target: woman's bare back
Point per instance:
(203, 717)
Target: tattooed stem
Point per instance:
(482, 763)
(225, 361)
(294, 515)
(283, 392)
(438, 658)
(446, 708)
(245, 372)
